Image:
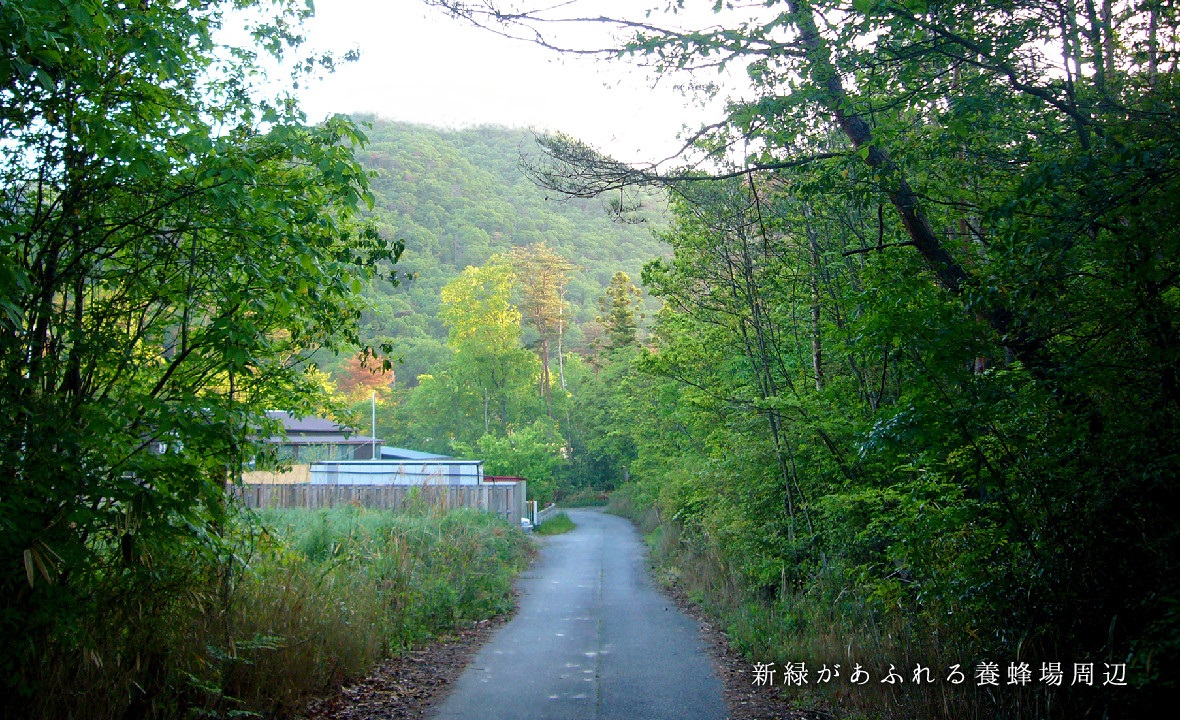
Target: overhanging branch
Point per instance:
(526, 26)
(575, 169)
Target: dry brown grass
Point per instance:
(306, 602)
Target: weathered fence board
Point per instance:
(503, 499)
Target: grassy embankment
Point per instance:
(556, 525)
(583, 498)
(304, 601)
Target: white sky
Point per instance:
(421, 66)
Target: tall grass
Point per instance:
(303, 601)
(330, 592)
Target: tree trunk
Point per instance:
(817, 347)
(561, 336)
(1107, 36)
(545, 375)
(949, 273)
(1153, 44)
(1098, 57)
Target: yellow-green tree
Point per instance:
(489, 364)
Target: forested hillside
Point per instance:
(508, 300)
(456, 197)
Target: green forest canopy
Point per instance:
(456, 197)
(485, 243)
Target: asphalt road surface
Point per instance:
(592, 639)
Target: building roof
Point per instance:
(387, 462)
(314, 430)
(294, 424)
(396, 453)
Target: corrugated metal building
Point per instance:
(399, 472)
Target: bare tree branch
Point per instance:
(576, 169)
(526, 26)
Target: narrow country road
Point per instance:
(592, 639)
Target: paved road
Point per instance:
(592, 639)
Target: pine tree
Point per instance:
(621, 312)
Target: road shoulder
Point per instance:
(743, 699)
(407, 686)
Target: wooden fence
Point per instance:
(503, 499)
